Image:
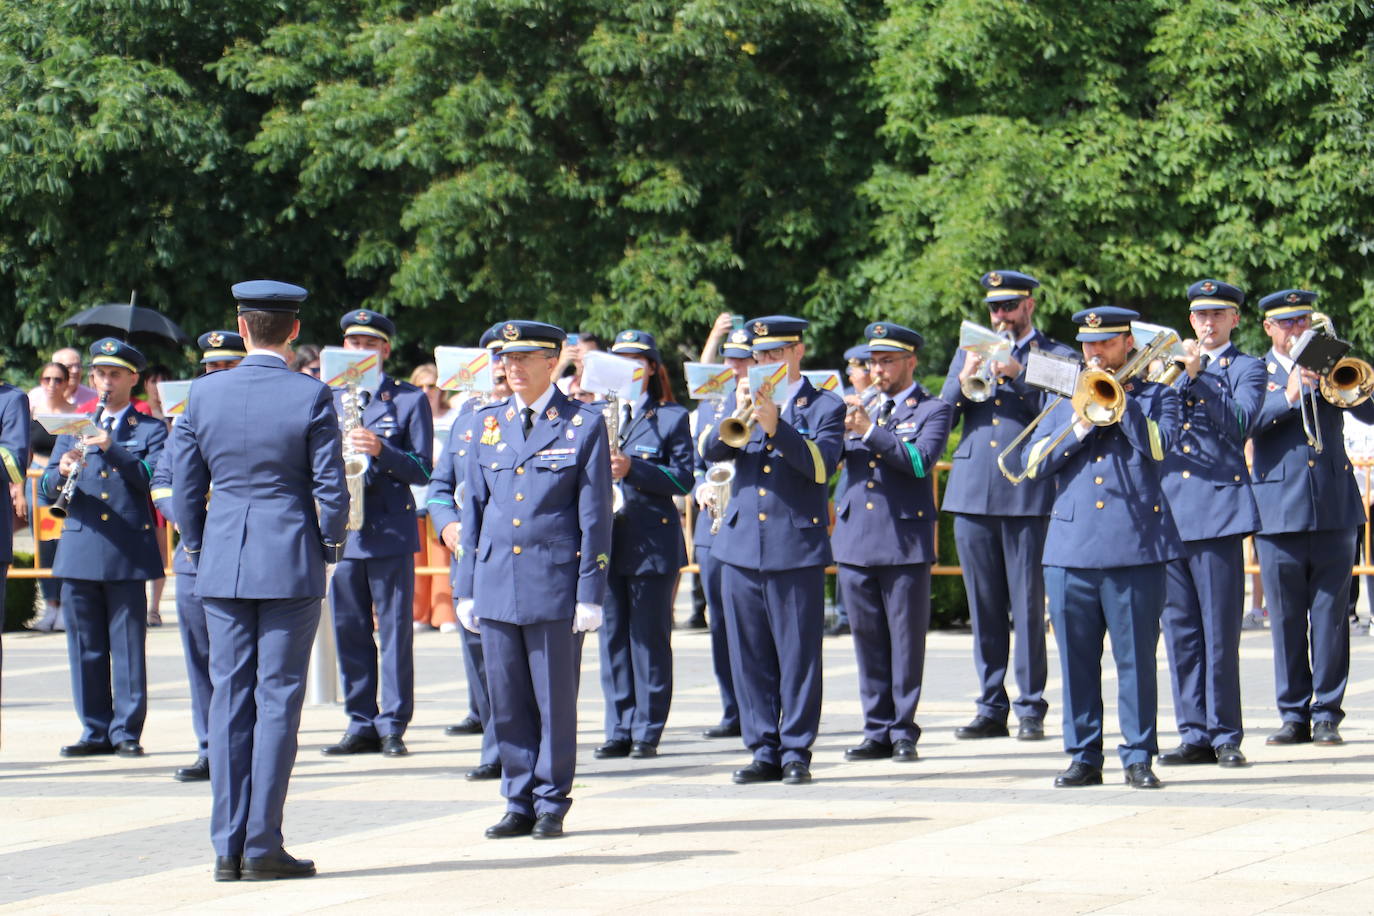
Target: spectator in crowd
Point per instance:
(307, 360)
(157, 372)
(75, 392)
(433, 605)
(574, 349)
(54, 384)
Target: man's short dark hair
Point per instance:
(269, 329)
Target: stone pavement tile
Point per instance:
(1348, 899)
(1153, 827)
(1277, 832)
(917, 895)
(1347, 860)
(1029, 900)
(1224, 897)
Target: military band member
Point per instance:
(219, 350)
(259, 548)
(536, 534)
(14, 462)
(774, 545)
(999, 527)
(1208, 488)
(1309, 509)
(856, 370)
(1109, 539)
(107, 552)
(739, 356)
(884, 539)
(652, 463)
(377, 572)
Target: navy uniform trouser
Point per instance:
(107, 628)
(637, 656)
(1086, 605)
(889, 614)
(259, 654)
(709, 570)
(776, 621)
(532, 673)
(1306, 588)
(479, 698)
(1000, 557)
(195, 643)
(386, 584)
(1204, 604)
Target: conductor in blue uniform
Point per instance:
(259, 549)
(884, 539)
(999, 527)
(774, 546)
(107, 552)
(377, 572)
(1309, 509)
(651, 463)
(1109, 539)
(1208, 487)
(536, 538)
(219, 350)
(738, 356)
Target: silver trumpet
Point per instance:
(992, 345)
(719, 476)
(356, 463)
(612, 414)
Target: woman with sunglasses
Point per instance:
(53, 395)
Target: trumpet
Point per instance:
(612, 414)
(1345, 383)
(64, 498)
(356, 463)
(736, 429)
(1098, 397)
(719, 476)
(992, 346)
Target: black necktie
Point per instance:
(107, 423)
(886, 411)
(626, 414)
(1205, 361)
(527, 421)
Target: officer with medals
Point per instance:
(219, 350)
(1309, 509)
(774, 546)
(535, 544)
(107, 552)
(377, 572)
(999, 527)
(1208, 488)
(14, 462)
(651, 463)
(1109, 539)
(442, 502)
(259, 549)
(738, 356)
(884, 539)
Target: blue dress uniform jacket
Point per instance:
(976, 485)
(782, 478)
(557, 485)
(708, 416)
(647, 536)
(400, 416)
(14, 462)
(108, 532)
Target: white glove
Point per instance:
(586, 617)
(705, 494)
(466, 617)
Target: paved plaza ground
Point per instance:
(973, 827)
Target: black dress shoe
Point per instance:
(721, 731)
(281, 864)
(614, 748)
(643, 750)
(227, 868)
(468, 726)
(1325, 734)
(87, 749)
(839, 628)
(904, 751)
(1140, 776)
(1291, 733)
(1078, 774)
(1032, 728)
(1229, 755)
(695, 622)
(129, 749)
(484, 771)
(1188, 754)
(200, 770)
(548, 827)
(982, 727)
(758, 771)
(796, 773)
(869, 750)
(512, 824)
(393, 746)
(353, 744)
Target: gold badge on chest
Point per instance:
(491, 431)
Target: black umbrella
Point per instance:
(129, 322)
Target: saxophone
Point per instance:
(612, 414)
(356, 463)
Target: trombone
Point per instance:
(1098, 397)
(1347, 383)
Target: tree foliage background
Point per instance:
(612, 163)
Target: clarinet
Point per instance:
(59, 508)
